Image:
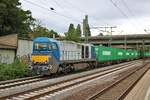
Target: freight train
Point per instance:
(50, 56)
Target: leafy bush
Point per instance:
(13, 71)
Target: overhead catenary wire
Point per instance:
(53, 10)
(129, 10)
(82, 11)
(65, 10)
(69, 12)
(68, 17)
(49, 9)
(74, 6)
(122, 12)
(118, 8)
(131, 13)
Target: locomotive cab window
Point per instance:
(49, 47)
(40, 46)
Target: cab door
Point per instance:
(55, 51)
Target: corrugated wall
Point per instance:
(24, 47)
(7, 56)
(24, 50)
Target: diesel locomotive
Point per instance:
(52, 56)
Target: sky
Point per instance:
(129, 16)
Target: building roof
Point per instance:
(132, 36)
(123, 47)
(9, 41)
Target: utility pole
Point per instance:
(137, 47)
(105, 30)
(111, 31)
(143, 49)
(125, 43)
(53, 36)
(143, 45)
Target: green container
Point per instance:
(120, 54)
(104, 53)
(147, 54)
(107, 53)
(131, 54)
(111, 54)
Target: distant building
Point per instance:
(12, 47)
(8, 47)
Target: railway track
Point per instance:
(17, 80)
(120, 88)
(22, 81)
(47, 90)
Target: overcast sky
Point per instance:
(130, 16)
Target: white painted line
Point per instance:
(147, 94)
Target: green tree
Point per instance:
(53, 33)
(13, 19)
(86, 28)
(78, 32)
(40, 31)
(70, 34)
(73, 33)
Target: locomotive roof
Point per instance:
(44, 39)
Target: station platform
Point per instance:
(141, 91)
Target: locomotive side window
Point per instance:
(87, 51)
(82, 51)
(54, 46)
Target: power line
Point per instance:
(69, 4)
(130, 11)
(75, 7)
(64, 9)
(121, 11)
(81, 10)
(71, 18)
(118, 8)
(35, 4)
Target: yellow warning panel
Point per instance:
(40, 59)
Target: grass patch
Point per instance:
(14, 70)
